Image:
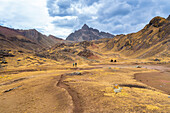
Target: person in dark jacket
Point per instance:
(75, 64)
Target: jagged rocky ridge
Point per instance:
(86, 33)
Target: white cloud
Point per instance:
(84, 9)
(61, 17)
(29, 14)
(20, 12)
(61, 32)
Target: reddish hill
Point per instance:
(39, 38)
(10, 38)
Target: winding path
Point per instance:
(75, 97)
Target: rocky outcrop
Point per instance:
(158, 21)
(86, 33)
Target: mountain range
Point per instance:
(87, 33)
(152, 40)
(12, 39)
(25, 39)
(34, 35)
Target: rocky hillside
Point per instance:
(152, 40)
(34, 35)
(86, 33)
(12, 39)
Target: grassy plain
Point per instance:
(49, 86)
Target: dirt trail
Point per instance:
(73, 94)
(37, 95)
(42, 94)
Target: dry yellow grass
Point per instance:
(40, 93)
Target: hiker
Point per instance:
(117, 89)
(75, 64)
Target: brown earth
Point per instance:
(155, 79)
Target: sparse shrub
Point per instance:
(21, 51)
(157, 59)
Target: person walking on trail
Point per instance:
(76, 64)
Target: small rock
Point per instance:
(138, 66)
(77, 73)
(74, 73)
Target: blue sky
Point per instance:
(61, 17)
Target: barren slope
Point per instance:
(10, 38)
(152, 40)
